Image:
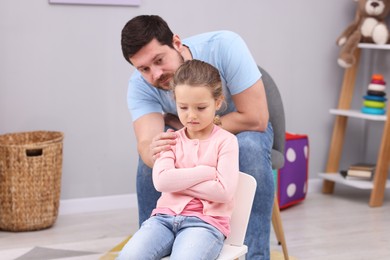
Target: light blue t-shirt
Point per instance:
(223, 49)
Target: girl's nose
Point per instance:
(191, 114)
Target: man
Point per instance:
(151, 47)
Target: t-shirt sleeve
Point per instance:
(239, 68)
(141, 98)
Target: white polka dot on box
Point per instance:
(291, 179)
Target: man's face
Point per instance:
(157, 63)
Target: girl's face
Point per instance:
(196, 108)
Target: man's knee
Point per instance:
(254, 142)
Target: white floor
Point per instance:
(339, 227)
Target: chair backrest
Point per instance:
(276, 117)
(244, 196)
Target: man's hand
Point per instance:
(162, 142)
(151, 139)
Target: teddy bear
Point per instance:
(369, 26)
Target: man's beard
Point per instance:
(160, 82)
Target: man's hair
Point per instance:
(141, 30)
(198, 73)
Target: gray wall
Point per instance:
(61, 68)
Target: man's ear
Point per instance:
(177, 44)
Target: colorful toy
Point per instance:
(369, 26)
(291, 179)
(375, 101)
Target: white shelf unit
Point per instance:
(342, 113)
(374, 46)
(357, 114)
(360, 184)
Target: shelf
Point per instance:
(336, 177)
(344, 111)
(374, 46)
(357, 114)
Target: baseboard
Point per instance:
(85, 205)
(315, 185)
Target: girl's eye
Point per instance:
(183, 108)
(201, 108)
(159, 61)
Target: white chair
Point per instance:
(234, 247)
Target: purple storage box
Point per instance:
(292, 177)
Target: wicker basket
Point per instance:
(30, 179)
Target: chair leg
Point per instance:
(278, 228)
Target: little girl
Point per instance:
(197, 178)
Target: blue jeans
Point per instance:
(255, 159)
(182, 237)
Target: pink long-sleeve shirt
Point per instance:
(199, 170)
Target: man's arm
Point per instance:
(151, 139)
(252, 111)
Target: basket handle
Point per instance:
(33, 152)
